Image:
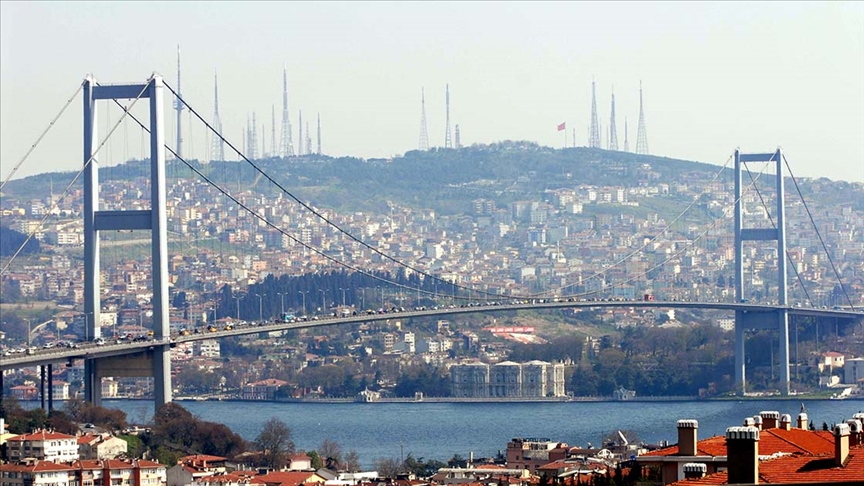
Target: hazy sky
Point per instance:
(715, 75)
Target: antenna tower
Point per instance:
(626, 141)
(319, 133)
(178, 105)
(253, 139)
(594, 137)
(424, 135)
(457, 143)
(641, 132)
(300, 135)
(286, 147)
(447, 142)
(217, 146)
(613, 133)
(308, 139)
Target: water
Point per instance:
(440, 430)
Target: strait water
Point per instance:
(440, 430)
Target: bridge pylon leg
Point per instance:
(92, 382)
(740, 366)
(162, 374)
(783, 322)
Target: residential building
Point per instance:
(532, 453)
(44, 446)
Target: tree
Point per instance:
(387, 467)
(275, 443)
(331, 452)
(352, 461)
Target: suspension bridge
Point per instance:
(152, 357)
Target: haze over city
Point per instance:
(715, 75)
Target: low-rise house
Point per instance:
(101, 446)
(44, 446)
(532, 453)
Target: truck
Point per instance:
(648, 298)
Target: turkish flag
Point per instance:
(562, 126)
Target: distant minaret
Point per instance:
(286, 147)
(447, 142)
(457, 143)
(424, 135)
(641, 131)
(626, 141)
(613, 134)
(594, 138)
(217, 145)
(178, 106)
(300, 135)
(319, 133)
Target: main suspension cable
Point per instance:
(42, 135)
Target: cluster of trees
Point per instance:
(274, 445)
(176, 433)
(653, 361)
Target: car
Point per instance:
(99, 341)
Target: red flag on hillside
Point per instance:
(562, 126)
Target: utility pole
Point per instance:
(304, 300)
(260, 307)
(282, 297)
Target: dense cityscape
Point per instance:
(514, 291)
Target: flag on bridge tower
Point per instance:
(562, 126)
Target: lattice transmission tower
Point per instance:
(457, 143)
(626, 133)
(447, 142)
(594, 134)
(424, 135)
(286, 144)
(178, 106)
(641, 132)
(217, 145)
(300, 135)
(613, 133)
(319, 134)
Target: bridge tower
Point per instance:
(778, 318)
(154, 219)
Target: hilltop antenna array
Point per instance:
(447, 142)
(178, 106)
(424, 135)
(300, 135)
(626, 141)
(286, 147)
(641, 133)
(217, 145)
(457, 143)
(613, 134)
(594, 135)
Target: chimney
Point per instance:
(695, 470)
(854, 432)
(742, 453)
(786, 421)
(687, 437)
(757, 422)
(749, 422)
(802, 421)
(841, 443)
(769, 420)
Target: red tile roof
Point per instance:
(38, 466)
(286, 478)
(797, 468)
(41, 435)
(771, 441)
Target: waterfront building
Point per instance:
(508, 379)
